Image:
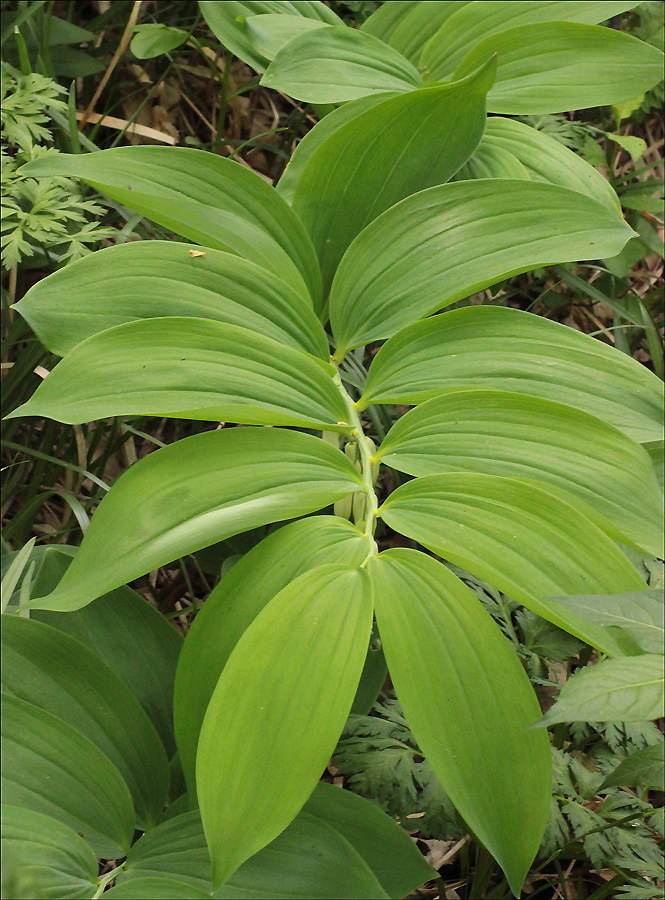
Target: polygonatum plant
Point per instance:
(524, 450)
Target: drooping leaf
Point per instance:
(641, 613)
(449, 241)
(52, 769)
(51, 855)
(546, 159)
(467, 27)
(194, 493)
(203, 197)
(230, 22)
(502, 433)
(50, 670)
(511, 350)
(384, 154)
(264, 743)
(149, 279)
(557, 66)
(128, 634)
(440, 642)
(644, 767)
(614, 690)
(236, 601)
(153, 40)
(386, 849)
(334, 64)
(189, 369)
(520, 539)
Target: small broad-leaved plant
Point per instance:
(528, 442)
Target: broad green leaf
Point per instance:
(640, 613)
(510, 350)
(644, 767)
(311, 859)
(450, 241)
(468, 702)
(420, 25)
(501, 433)
(386, 848)
(236, 601)
(190, 369)
(59, 674)
(194, 493)
(156, 888)
(57, 861)
(656, 451)
(384, 20)
(150, 279)
(546, 159)
(477, 21)
(204, 198)
(334, 64)
(269, 33)
(323, 129)
(492, 162)
(128, 634)
(558, 66)
(518, 538)
(50, 768)
(230, 23)
(385, 154)
(614, 690)
(265, 742)
(153, 40)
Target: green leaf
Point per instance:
(644, 767)
(190, 369)
(269, 33)
(128, 634)
(614, 690)
(511, 350)
(194, 493)
(450, 241)
(639, 612)
(316, 136)
(656, 451)
(334, 64)
(518, 538)
(311, 859)
(477, 21)
(559, 66)
(230, 22)
(157, 888)
(52, 769)
(443, 646)
(634, 146)
(546, 159)
(58, 674)
(492, 162)
(149, 279)
(203, 197)
(384, 20)
(372, 678)
(236, 601)
(316, 630)
(153, 40)
(345, 185)
(501, 433)
(420, 25)
(57, 861)
(386, 848)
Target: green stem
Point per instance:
(105, 879)
(366, 453)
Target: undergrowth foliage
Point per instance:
(523, 469)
